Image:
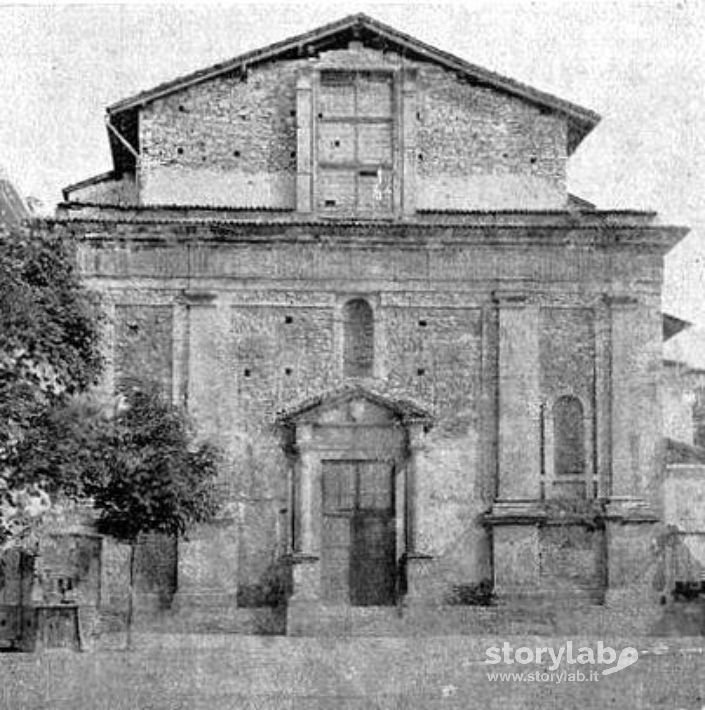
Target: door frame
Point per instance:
(355, 517)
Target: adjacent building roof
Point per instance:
(679, 452)
(673, 325)
(360, 27)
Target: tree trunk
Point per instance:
(131, 597)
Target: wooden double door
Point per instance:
(358, 536)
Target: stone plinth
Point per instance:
(516, 546)
(207, 565)
(632, 558)
(423, 585)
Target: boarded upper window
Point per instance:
(358, 334)
(355, 142)
(568, 437)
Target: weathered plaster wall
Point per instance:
(116, 191)
(261, 328)
(678, 398)
(572, 557)
(684, 509)
(637, 367)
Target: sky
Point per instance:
(641, 65)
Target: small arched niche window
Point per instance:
(358, 338)
(568, 437)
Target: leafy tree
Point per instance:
(49, 352)
(156, 478)
(67, 451)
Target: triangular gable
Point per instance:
(370, 32)
(402, 409)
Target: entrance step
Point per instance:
(306, 618)
(313, 619)
(213, 618)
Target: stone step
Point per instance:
(216, 619)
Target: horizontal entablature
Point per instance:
(393, 263)
(601, 230)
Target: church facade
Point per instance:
(434, 372)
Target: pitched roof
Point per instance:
(371, 32)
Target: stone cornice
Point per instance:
(619, 231)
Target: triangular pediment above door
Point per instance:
(355, 404)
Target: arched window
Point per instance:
(568, 437)
(358, 339)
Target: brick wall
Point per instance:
(433, 354)
(143, 344)
(232, 141)
(280, 354)
(224, 142)
(478, 148)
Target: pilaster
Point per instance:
(304, 142)
(306, 570)
(603, 398)
(408, 141)
(180, 352)
(419, 564)
(109, 345)
(519, 417)
(625, 407)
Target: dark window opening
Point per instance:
(568, 437)
(358, 328)
(423, 323)
(288, 319)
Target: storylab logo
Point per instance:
(583, 663)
